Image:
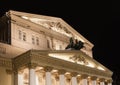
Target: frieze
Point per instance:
(5, 62)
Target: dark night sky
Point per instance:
(95, 20)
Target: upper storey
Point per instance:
(32, 31)
(53, 23)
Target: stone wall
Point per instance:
(5, 78)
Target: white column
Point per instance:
(61, 76)
(32, 76)
(48, 80)
(62, 79)
(74, 80)
(84, 79)
(102, 83)
(20, 79)
(93, 80)
(37, 80)
(109, 82)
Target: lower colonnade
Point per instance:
(50, 76)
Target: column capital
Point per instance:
(48, 69)
(109, 81)
(61, 71)
(32, 65)
(84, 76)
(102, 79)
(15, 71)
(20, 72)
(74, 74)
(93, 77)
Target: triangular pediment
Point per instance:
(77, 57)
(52, 23)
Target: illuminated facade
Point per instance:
(32, 52)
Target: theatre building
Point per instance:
(45, 50)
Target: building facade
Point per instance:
(37, 50)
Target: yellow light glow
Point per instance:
(97, 79)
(80, 63)
(90, 65)
(24, 17)
(78, 75)
(61, 56)
(39, 68)
(67, 58)
(89, 77)
(100, 68)
(54, 70)
(67, 73)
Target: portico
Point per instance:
(40, 69)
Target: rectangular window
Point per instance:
(20, 34)
(33, 40)
(24, 36)
(37, 40)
